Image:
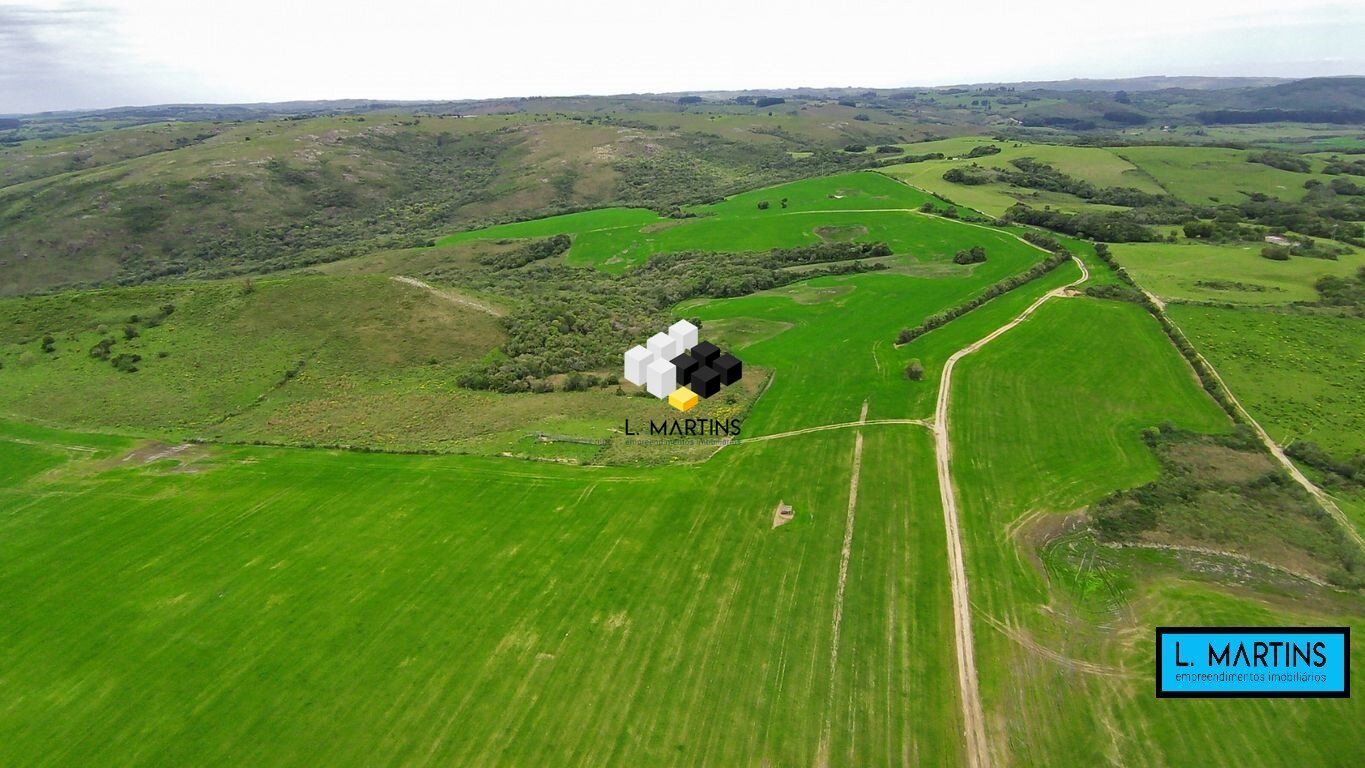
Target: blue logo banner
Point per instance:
(1249, 662)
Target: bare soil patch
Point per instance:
(783, 514)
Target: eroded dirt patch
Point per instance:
(187, 457)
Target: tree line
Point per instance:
(941, 319)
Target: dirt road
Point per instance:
(978, 749)
(1317, 493)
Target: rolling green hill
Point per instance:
(344, 476)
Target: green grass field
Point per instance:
(224, 603)
(1096, 165)
(1049, 421)
(1235, 274)
(615, 239)
(1202, 175)
(1302, 376)
(302, 606)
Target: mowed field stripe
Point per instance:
(837, 623)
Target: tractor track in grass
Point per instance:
(826, 427)
(837, 623)
(978, 749)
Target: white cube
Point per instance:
(637, 360)
(663, 346)
(685, 334)
(663, 378)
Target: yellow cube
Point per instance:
(682, 398)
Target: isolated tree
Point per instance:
(914, 370)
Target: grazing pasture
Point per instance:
(1302, 376)
(1203, 175)
(1234, 274)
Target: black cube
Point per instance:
(686, 366)
(705, 352)
(705, 382)
(729, 367)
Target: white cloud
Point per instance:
(269, 50)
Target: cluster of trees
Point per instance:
(1339, 474)
(970, 175)
(974, 255)
(1282, 160)
(567, 320)
(104, 348)
(125, 362)
(760, 101)
(535, 250)
(1033, 174)
(1337, 166)
(1324, 212)
(1345, 292)
(1044, 241)
(1186, 503)
(983, 150)
(941, 319)
(1346, 187)
(1222, 229)
(1110, 226)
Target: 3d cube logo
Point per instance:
(677, 367)
(729, 367)
(705, 352)
(685, 364)
(705, 381)
(637, 360)
(661, 378)
(663, 346)
(683, 399)
(684, 333)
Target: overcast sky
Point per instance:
(70, 55)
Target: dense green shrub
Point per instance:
(975, 255)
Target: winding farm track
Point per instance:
(449, 296)
(978, 750)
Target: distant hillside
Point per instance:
(1313, 93)
(1137, 84)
